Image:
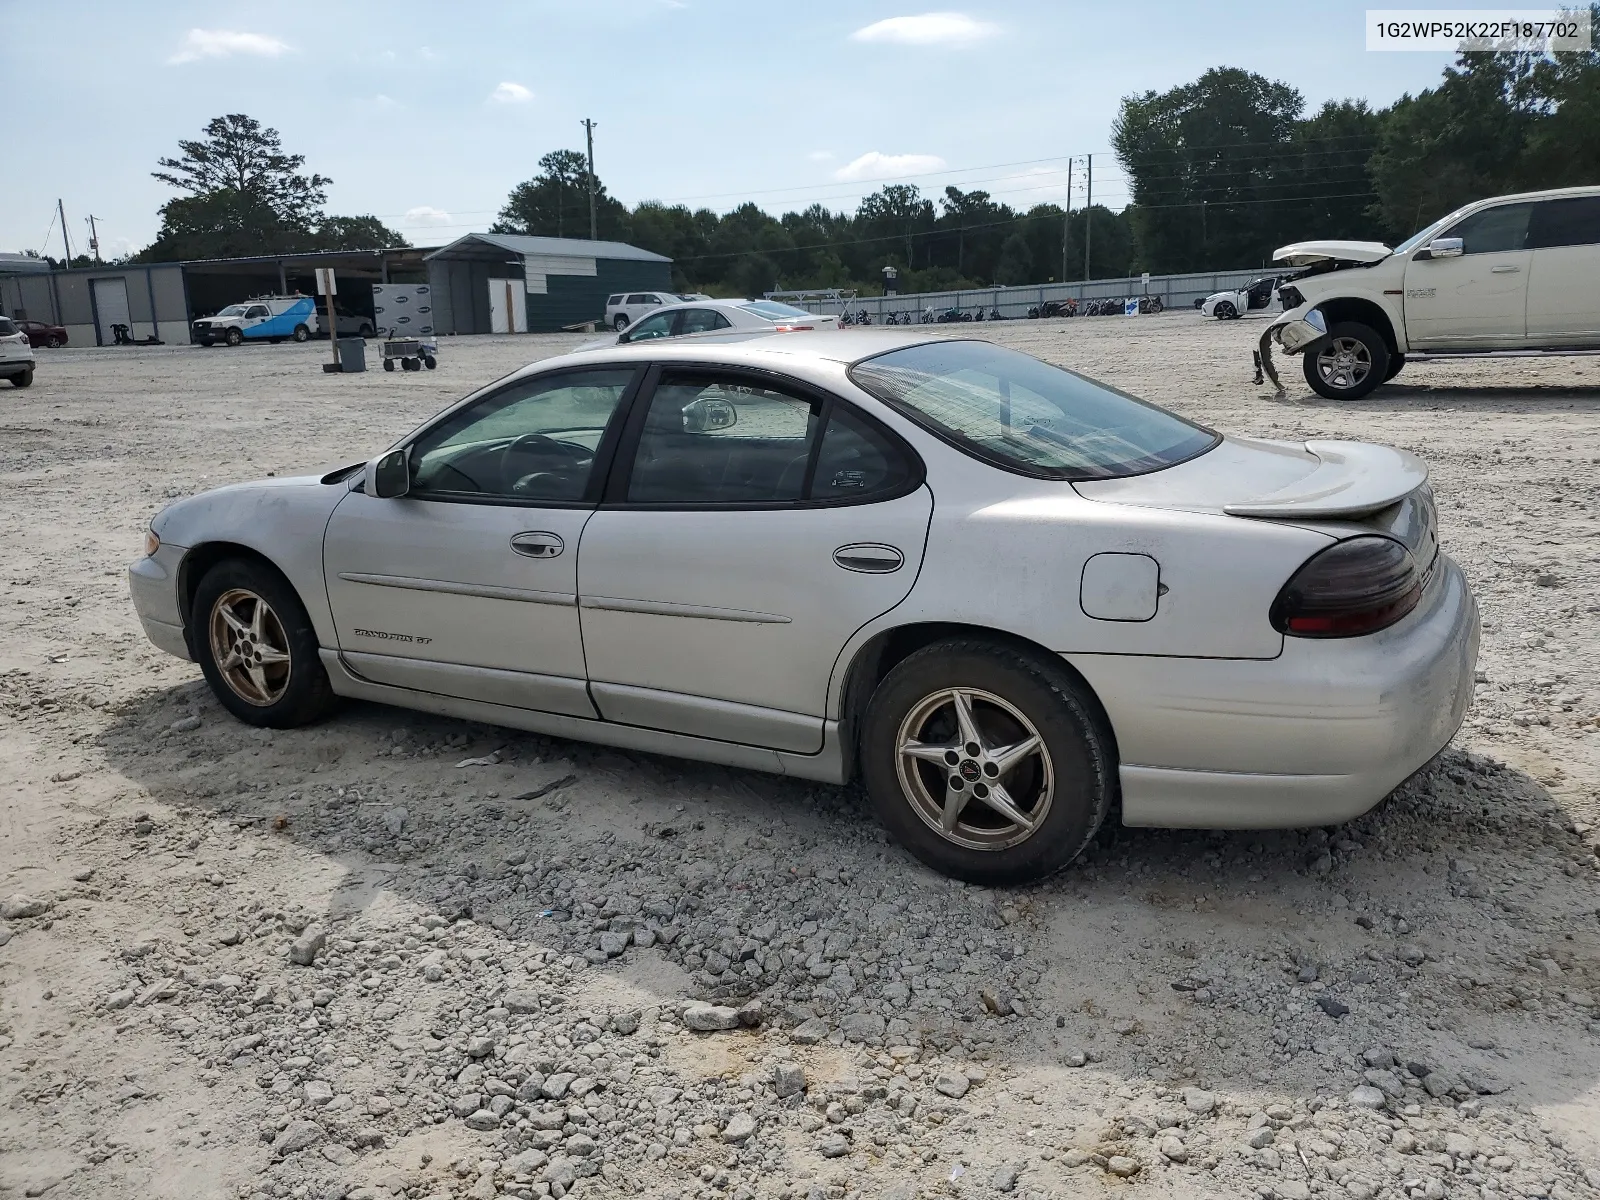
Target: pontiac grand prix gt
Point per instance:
(1006, 596)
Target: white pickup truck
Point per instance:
(1512, 276)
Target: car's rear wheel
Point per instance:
(233, 337)
(986, 762)
(620, 323)
(1348, 363)
(255, 643)
(301, 333)
(1225, 311)
(23, 380)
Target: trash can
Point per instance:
(352, 354)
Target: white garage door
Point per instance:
(110, 307)
(508, 306)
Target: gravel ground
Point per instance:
(396, 955)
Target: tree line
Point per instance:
(1221, 171)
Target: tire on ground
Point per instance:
(1057, 704)
(233, 337)
(620, 323)
(1377, 352)
(1396, 362)
(308, 696)
(23, 380)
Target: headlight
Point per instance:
(151, 542)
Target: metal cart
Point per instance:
(411, 353)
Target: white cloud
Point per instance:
(225, 43)
(927, 29)
(511, 93)
(873, 165)
(425, 216)
(821, 156)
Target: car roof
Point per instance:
(726, 302)
(753, 347)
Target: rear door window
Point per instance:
(1574, 221)
(702, 320)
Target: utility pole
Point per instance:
(588, 129)
(1088, 219)
(1066, 224)
(94, 238)
(66, 242)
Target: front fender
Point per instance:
(282, 520)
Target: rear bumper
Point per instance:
(1317, 736)
(16, 366)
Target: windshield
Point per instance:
(233, 310)
(771, 308)
(1425, 235)
(1027, 416)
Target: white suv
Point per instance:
(1512, 275)
(624, 308)
(16, 354)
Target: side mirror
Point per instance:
(704, 416)
(1445, 248)
(388, 475)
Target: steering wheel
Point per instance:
(566, 457)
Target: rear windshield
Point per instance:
(1027, 416)
(6, 327)
(771, 308)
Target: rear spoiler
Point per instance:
(1351, 479)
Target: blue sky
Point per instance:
(426, 114)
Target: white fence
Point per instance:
(1176, 291)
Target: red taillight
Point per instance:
(792, 328)
(1356, 586)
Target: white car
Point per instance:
(264, 319)
(1258, 294)
(624, 308)
(1510, 274)
(1009, 598)
(711, 316)
(16, 354)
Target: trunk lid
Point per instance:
(1313, 481)
(1304, 254)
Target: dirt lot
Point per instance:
(511, 927)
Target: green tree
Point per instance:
(236, 154)
(1016, 261)
(356, 233)
(555, 202)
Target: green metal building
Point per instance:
(506, 283)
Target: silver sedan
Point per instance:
(1006, 596)
(705, 315)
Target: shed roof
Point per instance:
(482, 245)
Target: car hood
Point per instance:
(1251, 477)
(194, 519)
(1304, 254)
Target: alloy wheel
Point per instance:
(974, 768)
(250, 647)
(1344, 362)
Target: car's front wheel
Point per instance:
(56, 341)
(1347, 364)
(257, 648)
(988, 763)
(233, 337)
(1225, 311)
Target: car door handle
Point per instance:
(1506, 270)
(870, 558)
(538, 544)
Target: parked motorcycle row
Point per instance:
(1110, 307)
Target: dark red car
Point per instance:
(40, 334)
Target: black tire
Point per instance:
(620, 323)
(1396, 361)
(302, 333)
(233, 337)
(306, 694)
(365, 331)
(430, 362)
(1077, 755)
(1347, 364)
(1225, 311)
(23, 380)
(411, 364)
(56, 341)
(388, 364)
